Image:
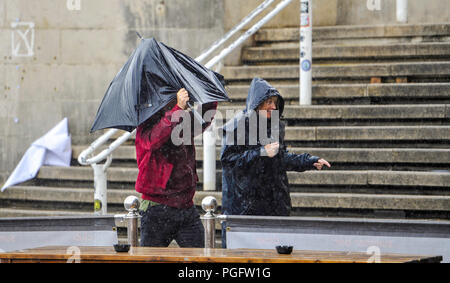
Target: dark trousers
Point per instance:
(161, 224)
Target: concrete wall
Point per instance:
(336, 12)
(355, 12)
(76, 55)
(343, 12)
(324, 14)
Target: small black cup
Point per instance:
(122, 248)
(285, 250)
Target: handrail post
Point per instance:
(100, 171)
(209, 205)
(100, 186)
(305, 52)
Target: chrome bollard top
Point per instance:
(209, 204)
(131, 204)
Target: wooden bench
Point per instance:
(183, 255)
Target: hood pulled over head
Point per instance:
(260, 90)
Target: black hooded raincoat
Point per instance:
(252, 183)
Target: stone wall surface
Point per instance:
(344, 12)
(75, 53)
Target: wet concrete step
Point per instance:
(375, 133)
(299, 200)
(360, 201)
(373, 156)
(406, 134)
(296, 135)
(352, 115)
(31, 212)
(419, 93)
(341, 73)
(128, 176)
(322, 53)
(353, 112)
(344, 136)
(362, 34)
(64, 194)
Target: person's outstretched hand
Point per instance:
(321, 163)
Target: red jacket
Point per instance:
(167, 173)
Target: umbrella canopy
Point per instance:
(149, 81)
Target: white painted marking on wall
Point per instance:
(374, 5)
(73, 5)
(22, 39)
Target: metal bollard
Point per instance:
(132, 204)
(209, 205)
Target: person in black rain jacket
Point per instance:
(255, 160)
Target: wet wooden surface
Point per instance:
(144, 254)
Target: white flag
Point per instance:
(53, 149)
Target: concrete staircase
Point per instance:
(381, 116)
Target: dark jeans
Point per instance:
(224, 235)
(161, 224)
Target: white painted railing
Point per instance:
(248, 33)
(237, 28)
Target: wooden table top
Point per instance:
(180, 255)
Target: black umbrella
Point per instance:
(149, 81)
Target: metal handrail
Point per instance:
(82, 158)
(235, 29)
(248, 33)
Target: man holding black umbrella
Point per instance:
(167, 179)
(151, 93)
